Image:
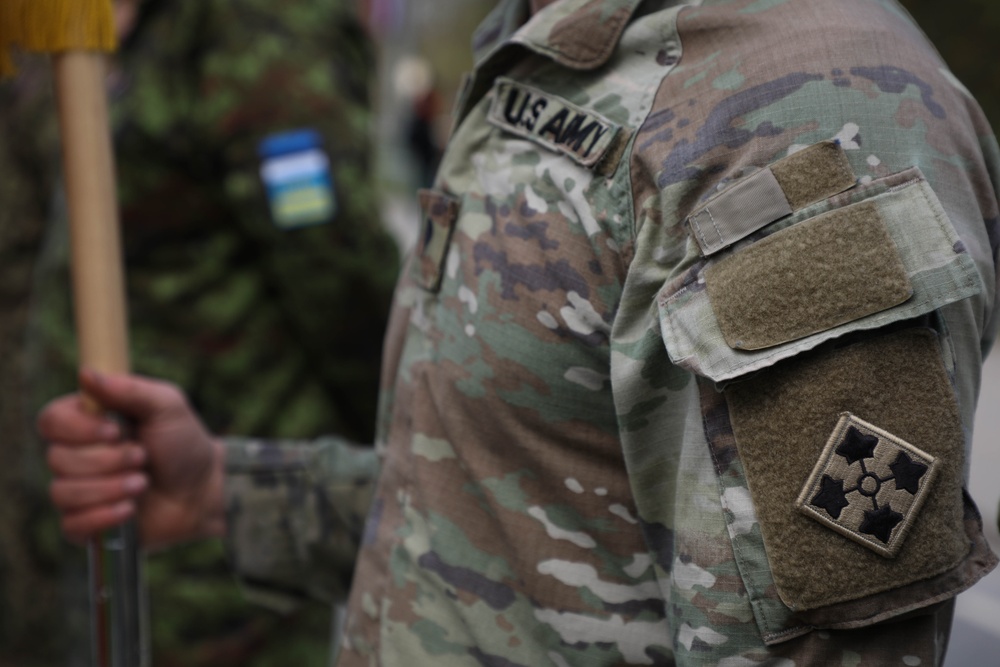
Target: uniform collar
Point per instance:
(580, 34)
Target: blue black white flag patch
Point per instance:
(561, 126)
(869, 485)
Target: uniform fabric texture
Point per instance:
(754, 201)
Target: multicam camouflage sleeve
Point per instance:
(295, 514)
(684, 367)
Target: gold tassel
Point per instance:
(51, 26)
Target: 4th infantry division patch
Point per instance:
(868, 485)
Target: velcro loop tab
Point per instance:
(814, 173)
(754, 202)
(803, 178)
(813, 276)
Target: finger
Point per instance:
(81, 526)
(73, 495)
(94, 461)
(132, 395)
(67, 420)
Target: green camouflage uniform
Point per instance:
(218, 292)
(271, 330)
(30, 596)
(684, 367)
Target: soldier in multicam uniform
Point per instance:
(683, 369)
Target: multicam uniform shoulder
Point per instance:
(820, 235)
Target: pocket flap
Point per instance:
(725, 317)
(824, 272)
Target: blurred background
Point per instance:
(401, 91)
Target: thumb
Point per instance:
(131, 395)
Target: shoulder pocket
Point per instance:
(829, 409)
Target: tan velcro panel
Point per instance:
(782, 420)
(813, 276)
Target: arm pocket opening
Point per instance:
(829, 409)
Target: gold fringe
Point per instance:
(51, 26)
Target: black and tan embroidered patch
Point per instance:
(559, 125)
(868, 485)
